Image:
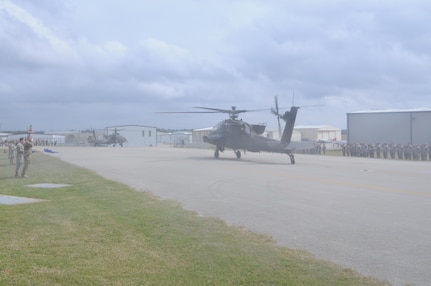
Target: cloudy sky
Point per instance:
(78, 64)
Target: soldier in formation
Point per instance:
(389, 151)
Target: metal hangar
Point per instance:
(397, 126)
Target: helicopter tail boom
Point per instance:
(289, 117)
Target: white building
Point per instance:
(177, 139)
(3, 137)
(319, 133)
(136, 135)
(398, 126)
(296, 135)
(198, 137)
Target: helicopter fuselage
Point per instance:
(233, 133)
(112, 139)
(240, 135)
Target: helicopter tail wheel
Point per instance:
(292, 158)
(238, 154)
(216, 154)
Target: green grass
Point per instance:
(99, 232)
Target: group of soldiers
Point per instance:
(389, 151)
(22, 151)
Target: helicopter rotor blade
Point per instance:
(187, 112)
(276, 103)
(233, 112)
(277, 112)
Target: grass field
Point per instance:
(99, 232)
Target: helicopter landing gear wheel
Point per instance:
(216, 154)
(238, 154)
(292, 158)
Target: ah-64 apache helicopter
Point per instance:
(236, 134)
(111, 139)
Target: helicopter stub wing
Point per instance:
(214, 139)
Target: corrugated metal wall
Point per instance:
(389, 127)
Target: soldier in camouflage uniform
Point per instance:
(424, 152)
(400, 151)
(409, 152)
(12, 153)
(416, 152)
(385, 150)
(28, 146)
(371, 150)
(19, 155)
(378, 150)
(392, 151)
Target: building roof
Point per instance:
(319, 127)
(393, 110)
(130, 125)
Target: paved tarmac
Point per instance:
(371, 215)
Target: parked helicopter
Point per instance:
(236, 134)
(111, 139)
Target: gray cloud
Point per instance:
(80, 64)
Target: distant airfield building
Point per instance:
(319, 133)
(136, 135)
(3, 137)
(176, 139)
(296, 135)
(397, 126)
(198, 137)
